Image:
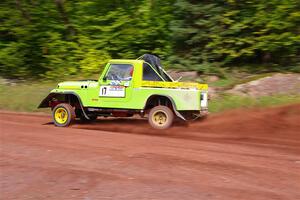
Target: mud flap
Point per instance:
(179, 115)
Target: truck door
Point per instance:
(115, 89)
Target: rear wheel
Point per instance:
(161, 117)
(63, 114)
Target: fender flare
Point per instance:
(172, 102)
(45, 101)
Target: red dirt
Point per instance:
(241, 154)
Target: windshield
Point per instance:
(120, 72)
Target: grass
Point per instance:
(23, 96)
(227, 102)
(27, 96)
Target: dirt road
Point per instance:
(242, 154)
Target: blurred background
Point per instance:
(248, 51)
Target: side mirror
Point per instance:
(104, 78)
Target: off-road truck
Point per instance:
(126, 88)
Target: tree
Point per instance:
(229, 32)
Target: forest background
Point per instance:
(53, 38)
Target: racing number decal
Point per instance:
(112, 91)
(103, 91)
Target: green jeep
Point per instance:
(125, 88)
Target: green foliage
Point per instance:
(223, 33)
(56, 38)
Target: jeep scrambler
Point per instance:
(125, 88)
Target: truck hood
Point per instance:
(74, 85)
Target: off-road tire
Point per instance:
(70, 114)
(161, 117)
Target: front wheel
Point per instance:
(161, 117)
(63, 114)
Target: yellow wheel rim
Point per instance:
(159, 118)
(61, 115)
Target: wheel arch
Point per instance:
(169, 98)
(45, 103)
